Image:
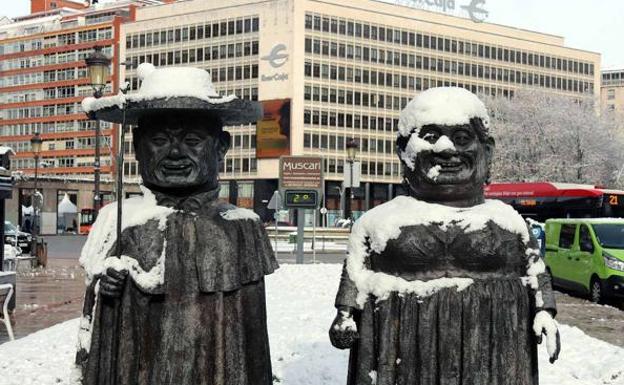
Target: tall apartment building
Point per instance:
(43, 78)
(612, 90)
(348, 67)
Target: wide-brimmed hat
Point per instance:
(175, 89)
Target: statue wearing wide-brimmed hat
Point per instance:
(184, 300)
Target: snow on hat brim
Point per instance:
(231, 111)
(185, 89)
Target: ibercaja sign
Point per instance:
(303, 176)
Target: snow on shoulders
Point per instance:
(136, 211)
(441, 105)
(384, 222)
(239, 213)
(5, 149)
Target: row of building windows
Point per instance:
(238, 165)
(355, 98)
(49, 59)
(41, 111)
(50, 127)
(77, 143)
(451, 67)
(333, 119)
(103, 17)
(193, 32)
(613, 78)
(71, 56)
(229, 166)
(61, 161)
(46, 76)
(78, 37)
(21, 79)
(369, 168)
(63, 144)
(359, 98)
(21, 46)
(196, 55)
(444, 44)
(21, 63)
(49, 93)
(333, 142)
(63, 39)
(21, 96)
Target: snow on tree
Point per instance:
(546, 137)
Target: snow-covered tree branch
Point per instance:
(545, 137)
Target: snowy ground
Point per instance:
(300, 304)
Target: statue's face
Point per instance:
(175, 152)
(459, 172)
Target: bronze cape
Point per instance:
(206, 325)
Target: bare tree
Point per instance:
(546, 137)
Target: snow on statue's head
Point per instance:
(444, 146)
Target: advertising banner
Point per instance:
(273, 131)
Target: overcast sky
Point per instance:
(591, 25)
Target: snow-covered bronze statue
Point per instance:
(185, 302)
(442, 286)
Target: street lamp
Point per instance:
(98, 66)
(35, 145)
(352, 147)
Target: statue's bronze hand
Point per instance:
(112, 283)
(343, 331)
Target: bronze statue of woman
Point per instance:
(443, 287)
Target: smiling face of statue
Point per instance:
(452, 175)
(178, 153)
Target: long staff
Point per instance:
(111, 318)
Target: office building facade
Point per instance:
(612, 91)
(43, 78)
(347, 67)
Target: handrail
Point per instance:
(5, 308)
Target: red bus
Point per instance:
(87, 217)
(544, 200)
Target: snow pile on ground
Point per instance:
(300, 310)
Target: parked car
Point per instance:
(587, 256)
(24, 240)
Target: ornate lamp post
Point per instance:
(98, 66)
(352, 147)
(35, 144)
